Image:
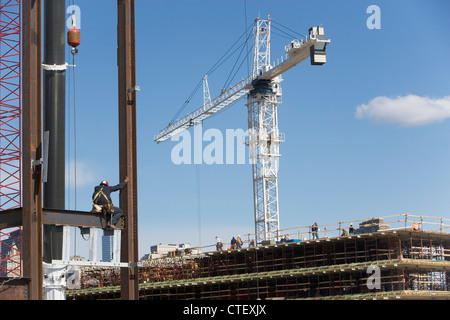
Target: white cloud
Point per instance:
(406, 111)
(86, 174)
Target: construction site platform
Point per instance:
(410, 265)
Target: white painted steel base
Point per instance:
(55, 282)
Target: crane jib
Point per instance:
(314, 47)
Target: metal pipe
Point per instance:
(54, 121)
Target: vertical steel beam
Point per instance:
(126, 61)
(32, 148)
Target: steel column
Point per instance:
(54, 121)
(32, 148)
(127, 145)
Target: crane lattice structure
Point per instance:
(264, 95)
(10, 133)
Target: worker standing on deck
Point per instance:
(351, 230)
(233, 243)
(219, 244)
(239, 242)
(102, 199)
(314, 230)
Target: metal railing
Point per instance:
(335, 230)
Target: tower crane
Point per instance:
(263, 92)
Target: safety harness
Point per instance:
(96, 197)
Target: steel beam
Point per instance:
(13, 218)
(32, 148)
(127, 145)
(76, 219)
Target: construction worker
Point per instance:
(239, 242)
(314, 230)
(351, 230)
(219, 244)
(415, 226)
(102, 198)
(233, 243)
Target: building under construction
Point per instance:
(377, 261)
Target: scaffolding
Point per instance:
(404, 263)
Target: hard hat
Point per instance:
(104, 182)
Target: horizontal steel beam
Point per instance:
(13, 218)
(97, 264)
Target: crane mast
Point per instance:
(261, 49)
(264, 138)
(263, 98)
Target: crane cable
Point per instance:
(74, 130)
(289, 34)
(73, 51)
(221, 61)
(294, 34)
(246, 29)
(199, 215)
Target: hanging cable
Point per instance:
(74, 130)
(69, 121)
(73, 40)
(199, 215)
(69, 148)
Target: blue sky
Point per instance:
(390, 157)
